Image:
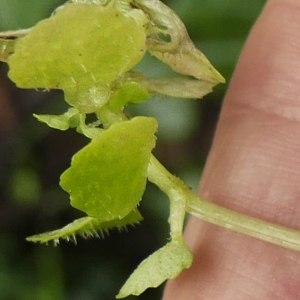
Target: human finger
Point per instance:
(253, 168)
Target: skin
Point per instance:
(253, 168)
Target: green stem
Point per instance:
(107, 117)
(175, 189)
(267, 231)
(213, 213)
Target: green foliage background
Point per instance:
(32, 156)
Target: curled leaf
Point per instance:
(61, 122)
(169, 41)
(71, 119)
(85, 227)
(107, 178)
(165, 263)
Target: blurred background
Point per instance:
(32, 157)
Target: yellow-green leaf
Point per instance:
(107, 178)
(85, 227)
(80, 45)
(165, 263)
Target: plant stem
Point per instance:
(174, 188)
(263, 230)
(107, 117)
(213, 213)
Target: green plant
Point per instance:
(92, 63)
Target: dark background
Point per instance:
(32, 157)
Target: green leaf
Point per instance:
(129, 92)
(71, 119)
(61, 122)
(165, 263)
(78, 47)
(86, 227)
(107, 178)
(169, 41)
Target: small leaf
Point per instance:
(86, 227)
(169, 41)
(79, 46)
(107, 178)
(71, 119)
(165, 263)
(60, 122)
